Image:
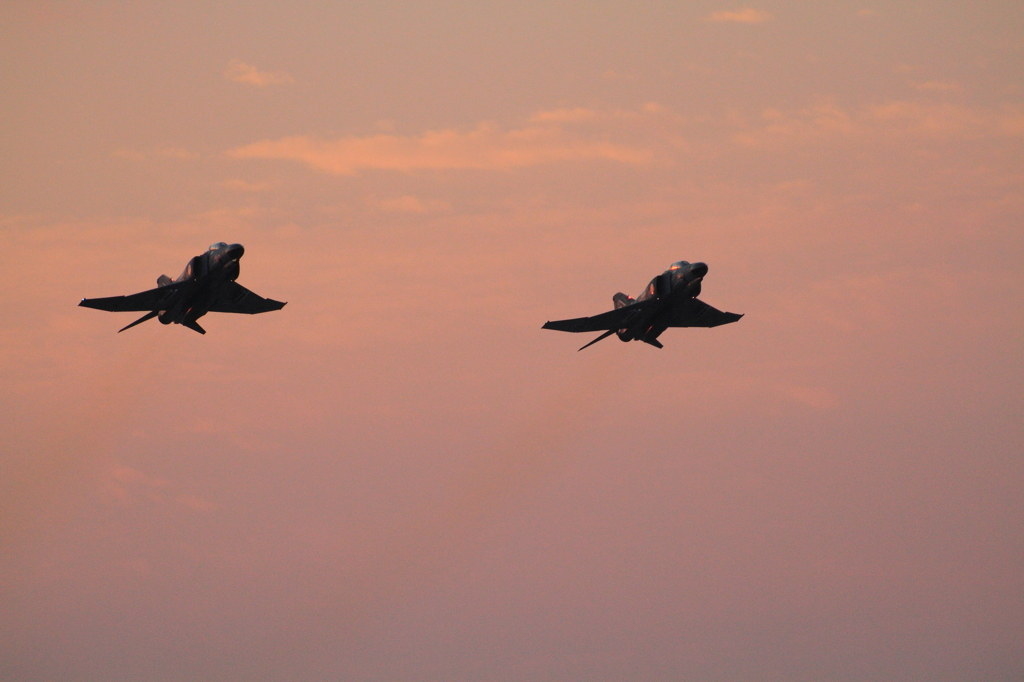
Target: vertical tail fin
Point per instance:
(621, 300)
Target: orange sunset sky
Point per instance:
(400, 477)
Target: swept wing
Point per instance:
(234, 298)
(613, 319)
(696, 313)
(154, 299)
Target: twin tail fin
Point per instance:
(620, 300)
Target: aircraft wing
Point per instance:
(613, 319)
(234, 298)
(154, 299)
(697, 313)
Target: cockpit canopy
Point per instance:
(218, 246)
(679, 265)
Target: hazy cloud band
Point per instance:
(485, 148)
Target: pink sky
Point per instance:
(400, 476)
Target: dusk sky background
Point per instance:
(400, 476)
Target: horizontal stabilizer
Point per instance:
(603, 336)
(193, 325)
(147, 316)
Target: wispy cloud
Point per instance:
(408, 204)
(613, 75)
(127, 486)
(157, 153)
(746, 15)
(582, 115)
(937, 86)
(575, 115)
(128, 154)
(943, 120)
(644, 137)
(486, 147)
(176, 153)
(893, 120)
(814, 397)
(240, 72)
(243, 186)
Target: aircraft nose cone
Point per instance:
(698, 270)
(235, 251)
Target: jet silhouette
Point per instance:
(670, 300)
(207, 285)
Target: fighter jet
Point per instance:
(670, 300)
(207, 285)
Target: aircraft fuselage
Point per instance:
(670, 300)
(200, 283)
(206, 285)
(666, 292)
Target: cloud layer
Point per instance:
(485, 148)
(637, 138)
(747, 15)
(906, 120)
(401, 476)
(240, 72)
